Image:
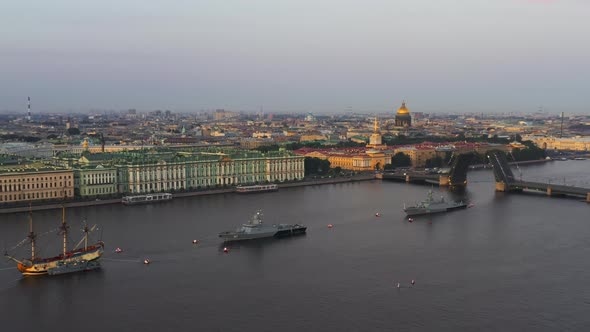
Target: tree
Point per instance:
(337, 170)
(434, 162)
(401, 159)
(73, 131)
(316, 166)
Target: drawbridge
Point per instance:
(505, 181)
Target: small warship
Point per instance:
(430, 206)
(256, 229)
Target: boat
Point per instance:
(256, 229)
(430, 206)
(258, 188)
(75, 266)
(580, 158)
(149, 198)
(74, 260)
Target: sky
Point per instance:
(296, 55)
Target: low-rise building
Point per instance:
(95, 181)
(579, 143)
(35, 182)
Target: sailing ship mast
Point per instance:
(64, 228)
(31, 235)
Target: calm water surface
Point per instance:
(512, 262)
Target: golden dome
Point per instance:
(403, 110)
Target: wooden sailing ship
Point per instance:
(74, 260)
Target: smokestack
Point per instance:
(29, 109)
(561, 130)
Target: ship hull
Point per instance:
(422, 211)
(237, 236)
(79, 266)
(42, 266)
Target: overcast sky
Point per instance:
(296, 55)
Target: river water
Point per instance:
(512, 262)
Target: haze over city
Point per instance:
(327, 56)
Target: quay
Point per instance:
(73, 204)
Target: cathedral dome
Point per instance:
(403, 110)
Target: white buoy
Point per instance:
(398, 285)
(195, 241)
(330, 225)
(118, 250)
(146, 261)
(413, 281)
(377, 214)
(225, 250)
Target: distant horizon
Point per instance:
(441, 56)
(296, 112)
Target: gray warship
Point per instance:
(430, 206)
(256, 229)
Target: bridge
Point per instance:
(457, 176)
(505, 181)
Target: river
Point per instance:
(511, 262)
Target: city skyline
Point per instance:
(296, 56)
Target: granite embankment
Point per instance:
(73, 204)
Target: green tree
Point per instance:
(434, 162)
(73, 131)
(316, 166)
(401, 159)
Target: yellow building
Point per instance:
(35, 183)
(568, 144)
(354, 161)
(418, 155)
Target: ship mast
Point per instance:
(32, 234)
(86, 230)
(64, 227)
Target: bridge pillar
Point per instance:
(444, 180)
(408, 178)
(501, 186)
(588, 198)
(549, 190)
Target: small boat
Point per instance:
(579, 158)
(144, 199)
(430, 206)
(259, 188)
(256, 229)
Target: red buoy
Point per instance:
(225, 250)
